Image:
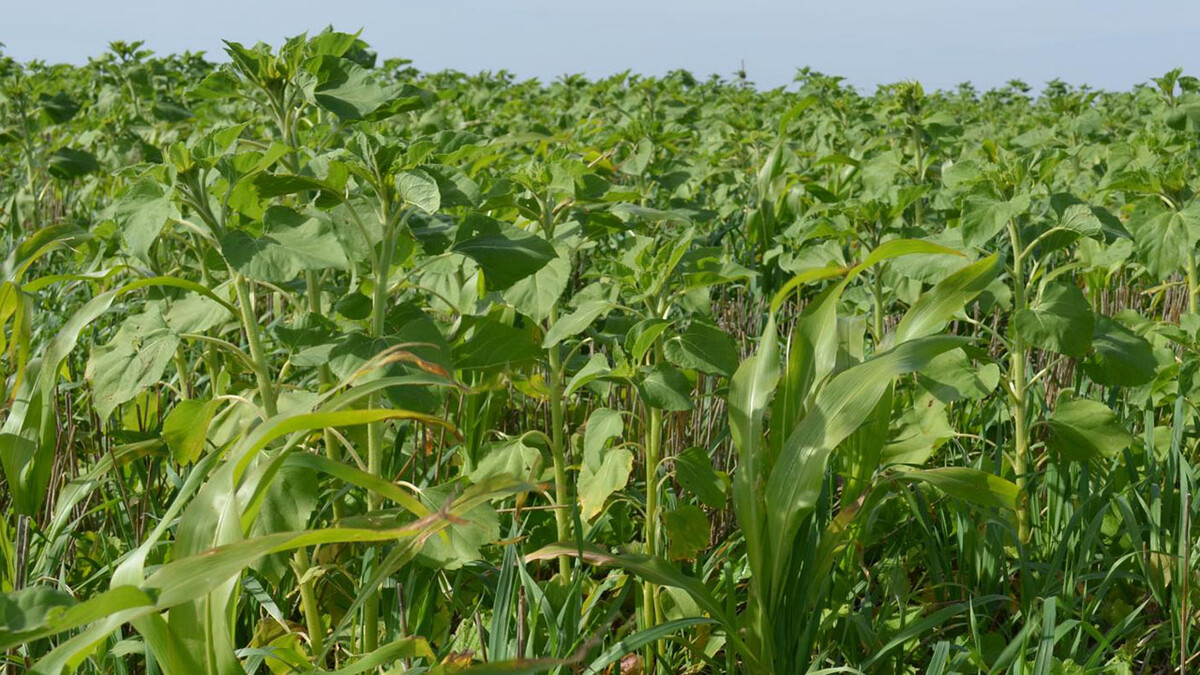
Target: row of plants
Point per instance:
(314, 363)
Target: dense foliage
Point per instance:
(314, 364)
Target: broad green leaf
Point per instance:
(953, 376)
(30, 609)
(535, 295)
(419, 189)
(475, 528)
(642, 336)
(594, 369)
(603, 470)
(968, 484)
(705, 348)
(921, 429)
(1119, 356)
(512, 457)
(345, 88)
(1061, 321)
(185, 428)
(1083, 430)
(695, 473)
(59, 108)
(665, 387)
(505, 253)
(292, 243)
(984, 216)
(1162, 237)
(687, 532)
(141, 212)
(455, 187)
(290, 500)
(491, 344)
(69, 163)
(598, 483)
(132, 361)
(576, 322)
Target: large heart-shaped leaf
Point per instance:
(505, 253)
(1060, 322)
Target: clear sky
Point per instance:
(1105, 43)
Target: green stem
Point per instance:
(653, 456)
(30, 162)
(1191, 281)
(375, 429)
(308, 601)
(877, 290)
(916, 141)
(266, 389)
(562, 489)
(1018, 389)
(562, 486)
(332, 450)
(185, 378)
(378, 327)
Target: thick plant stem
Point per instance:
(919, 160)
(877, 290)
(562, 489)
(378, 326)
(375, 429)
(266, 390)
(558, 455)
(332, 450)
(308, 600)
(653, 456)
(1018, 387)
(1191, 281)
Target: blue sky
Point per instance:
(1105, 43)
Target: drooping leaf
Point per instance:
(687, 532)
(132, 361)
(141, 212)
(968, 484)
(604, 470)
(292, 243)
(1162, 236)
(1120, 357)
(576, 322)
(535, 295)
(695, 473)
(665, 387)
(70, 163)
(703, 347)
(1060, 322)
(185, 428)
(984, 216)
(1083, 430)
(512, 457)
(505, 253)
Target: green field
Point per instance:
(316, 363)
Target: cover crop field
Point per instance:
(313, 363)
